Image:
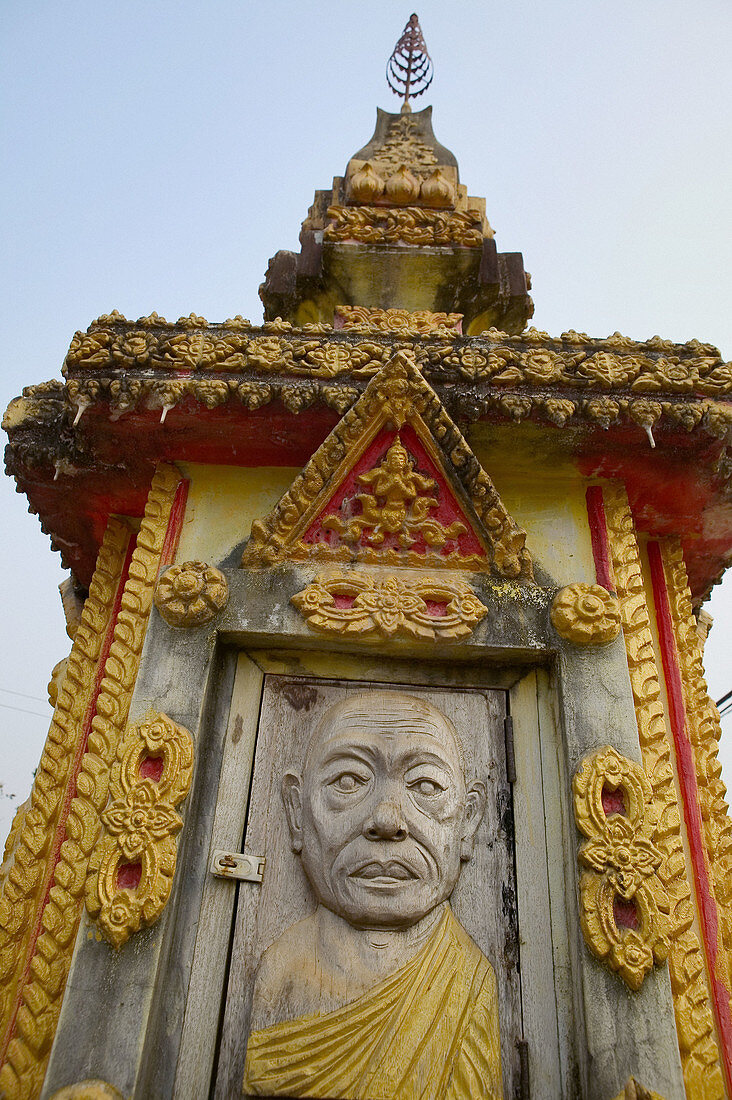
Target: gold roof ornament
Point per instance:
(409, 69)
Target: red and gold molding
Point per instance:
(611, 524)
(695, 726)
(48, 850)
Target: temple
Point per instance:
(382, 764)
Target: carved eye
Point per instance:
(347, 782)
(426, 787)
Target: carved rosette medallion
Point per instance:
(623, 903)
(131, 871)
(586, 614)
(191, 594)
(368, 607)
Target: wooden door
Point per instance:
(483, 902)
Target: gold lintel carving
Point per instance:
(586, 614)
(623, 902)
(131, 871)
(370, 607)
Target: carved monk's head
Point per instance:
(381, 814)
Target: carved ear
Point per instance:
(292, 798)
(474, 810)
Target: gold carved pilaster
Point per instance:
(37, 939)
(704, 730)
(694, 1023)
(28, 867)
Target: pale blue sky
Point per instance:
(156, 155)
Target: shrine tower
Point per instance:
(382, 763)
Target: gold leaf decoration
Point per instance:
(371, 607)
(623, 903)
(131, 871)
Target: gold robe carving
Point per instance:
(427, 1032)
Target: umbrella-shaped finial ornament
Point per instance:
(409, 69)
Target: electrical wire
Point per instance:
(23, 695)
(23, 710)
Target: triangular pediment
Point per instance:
(395, 483)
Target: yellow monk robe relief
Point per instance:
(380, 993)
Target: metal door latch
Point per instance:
(237, 865)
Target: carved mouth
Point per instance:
(390, 871)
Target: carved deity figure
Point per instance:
(380, 994)
(396, 505)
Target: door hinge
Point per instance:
(237, 865)
(510, 749)
(524, 1083)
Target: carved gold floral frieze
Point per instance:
(623, 903)
(371, 607)
(131, 871)
(405, 225)
(398, 321)
(191, 594)
(586, 614)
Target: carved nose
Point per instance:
(386, 823)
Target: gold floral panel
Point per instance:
(624, 905)
(131, 870)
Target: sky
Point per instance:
(156, 155)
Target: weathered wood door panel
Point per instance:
(483, 901)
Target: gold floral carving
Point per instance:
(91, 1089)
(141, 824)
(694, 1023)
(405, 225)
(402, 321)
(622, 862)
(406, 507)
(586, 614)
(397, 396)
(704, 733)
(28, 871)
(370, 607)
(191, 594)
(43, 980)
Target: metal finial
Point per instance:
(409, 69)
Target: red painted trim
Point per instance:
(708, 916)
(175, 524)
(71, 788)
(598, 536)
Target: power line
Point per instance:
(23, 695)
(22, 710)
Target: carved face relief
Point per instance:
(381, 814)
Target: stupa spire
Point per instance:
(409, 69)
